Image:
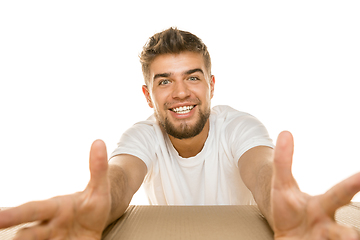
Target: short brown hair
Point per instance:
(173, 41)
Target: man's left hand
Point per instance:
(297, 215)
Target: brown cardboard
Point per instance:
(196, 222)
(203, 222)
(349, 215)
(190, 222)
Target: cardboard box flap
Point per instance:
(349, 215)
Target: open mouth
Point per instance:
(182, 110)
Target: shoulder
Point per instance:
(236, 123)
(224, 113)
(144, 130)
(140, 140)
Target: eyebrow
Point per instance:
(160, 75)
(188, 72)
(193, 71)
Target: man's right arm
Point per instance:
(82, 215)
(126, 174)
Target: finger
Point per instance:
(340, 232)
(283, 160)
(98, 166)
(37, 232)
(28, 212)
(340, 194)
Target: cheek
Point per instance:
(158, 102)
(203, 93)
(160, 97)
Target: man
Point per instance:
(189, 154)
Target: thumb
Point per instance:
(98, 166)
(283, 157)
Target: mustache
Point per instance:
(196, 101)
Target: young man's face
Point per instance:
(180, 92)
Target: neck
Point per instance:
(190, 147)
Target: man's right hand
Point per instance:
(80, 215)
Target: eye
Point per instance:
(193, 78)
(164, 82)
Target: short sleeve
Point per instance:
(246, 132)
(138, 141)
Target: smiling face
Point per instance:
(180, 91)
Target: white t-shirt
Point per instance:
(209, 178)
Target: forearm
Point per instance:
(262, 192)
(120, 194)
(256, 170)
(126, 174)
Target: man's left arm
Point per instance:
(256, 169)
(291, 213)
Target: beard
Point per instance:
(185, 131)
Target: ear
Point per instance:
(146, 93)
(212, 86)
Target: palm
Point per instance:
(299, 216)
(77, 216)
(296, 215)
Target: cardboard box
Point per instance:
(196, 222)
(190, 222)
(203, 223)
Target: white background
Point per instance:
(69, 74)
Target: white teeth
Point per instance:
(182, 110)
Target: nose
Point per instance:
(181, 90)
